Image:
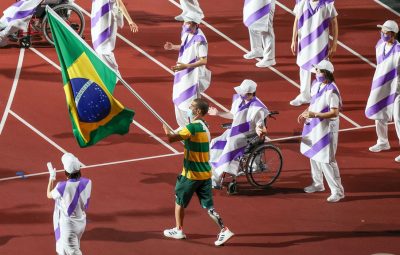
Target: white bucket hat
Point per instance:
(323, 65)
(71, 163)
(192, 17)
(247, 86)
(389, 26)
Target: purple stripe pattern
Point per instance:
(318, 146)
(102, 37)
(195, 39)
(18, 4)
(314, 35)
(21, 15)
(382, 80)
(219, 145)
(61, 188)
(179, 75)
(257, 15)
(228, 157)
(104, 10)
(239, 129)
(313, 123)
(81, 186)
(186, 94)
(385, 102)
(57, 233)
(315, 60)
(395, 49)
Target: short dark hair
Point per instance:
(75, 175)
(202, 105)
(328, 75)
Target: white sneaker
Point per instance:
(379, 147)
(266, 63)
(312, 189)
(174, 233)
(253, 54)
(335, 198)
(223, 236)
(179, 17)
(397, 159)
(299, 100)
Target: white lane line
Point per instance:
(272, 68)
(339, 42)
(387, 7)
(46, 58)
(134, 122)
(156, 61)
(13, 89)
(96, 165)
(58, 147)
(341, 130)
(155, 137)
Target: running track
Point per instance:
(134, 175)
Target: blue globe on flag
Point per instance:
(91, 101)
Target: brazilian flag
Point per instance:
(88, 85)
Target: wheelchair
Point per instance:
(39, 26)
(261, 163)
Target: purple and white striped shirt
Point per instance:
(71, 201)
(385, 84)
(313, 31)
(316, 136)
(257, 14)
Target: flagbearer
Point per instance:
(71, 202)
(106, 16)
(196, 173)
(248, 115)
(320, 132)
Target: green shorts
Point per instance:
(185, 188)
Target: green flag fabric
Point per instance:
(88, 85)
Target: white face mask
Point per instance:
(190, 115)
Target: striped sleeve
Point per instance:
(185, 133)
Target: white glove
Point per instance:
(52, 171)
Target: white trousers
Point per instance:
(11, 29)
(106, 52)
(70, 236)
(382, 125)
(329, 170)
(305, 84)
(191, 6)
(261, 41)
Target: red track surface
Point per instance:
(133, 202)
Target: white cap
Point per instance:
(389, 26)
(247, 86)
(71, 163)
(192, 17)
(323, 65)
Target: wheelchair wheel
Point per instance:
(71, 15)
(264, 165)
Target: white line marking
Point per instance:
(38, 132)
(13, 89)
(134, 122)
(341, 130)
(97, 165)
(46, 58)
(339, 42)
(272, 68)
(387, 7)
(155, 137)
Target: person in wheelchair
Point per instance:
(17, 17)
(248, 115)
